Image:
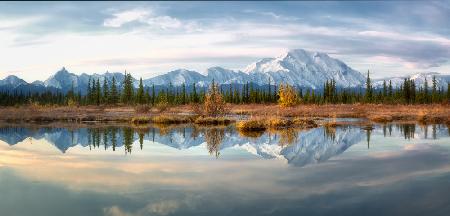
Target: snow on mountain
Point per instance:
(62, 80)
(177, 78)
(225, 76)
(13, 81)
(296, 67)
(419, 80)
(303, 68)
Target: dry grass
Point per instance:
(438, 113)
(252, 125)
(163, 119)
(141, 120)
(142, 108)
(304, 123)
(213, 121)
(276, 123)
(397, 112)
(380, 118)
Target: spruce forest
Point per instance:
(109, 93)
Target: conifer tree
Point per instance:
(98, 93)
(106, 95)
(183, 94)
(114, 96)
(194, 97)
(153, 94)
(140, 93)
(89, 92)
(434, 95)
(128, 90)
(368, 88)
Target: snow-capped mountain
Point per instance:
(419, 80)
(12, 81)
(177, 78)
(296, 67)
(64, 80)
(225, 76)
(303, 68)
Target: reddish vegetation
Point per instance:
(377, 113)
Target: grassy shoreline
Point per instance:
(436, 113)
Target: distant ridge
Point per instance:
(296, 67)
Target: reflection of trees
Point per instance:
(214, 137)
(94, 137)
(407, 130)
(330, 132)
(128, 137)
(251, 134)
(368, 133)
(141, 133)
(105, 138)
(113, 132)
(195, 132)
(141, 140)
(434, 131)
(287, 136)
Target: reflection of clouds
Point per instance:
(177, 184)
(159, 208)
(412, 147)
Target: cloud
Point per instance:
(166, 36)
(272, 15)
(147, 17)
(124, 17)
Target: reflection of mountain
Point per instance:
(298, 148)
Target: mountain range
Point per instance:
(304, 69)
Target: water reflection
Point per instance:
(96, 175)
(296, 147)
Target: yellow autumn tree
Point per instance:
(287, 96)
(214, 104)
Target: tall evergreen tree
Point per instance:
(114, 96)
(98, 92)
(106, 95)
(153, 94)
(128, 90)
(140, 93)
(434, 95)
(368, 88)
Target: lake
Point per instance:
(392, 169)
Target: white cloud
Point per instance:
(125, 17)
(147, 17)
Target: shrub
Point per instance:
(71, 102)
(214, 104)
(288, 96)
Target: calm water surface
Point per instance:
(113, 171)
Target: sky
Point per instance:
(389, 38)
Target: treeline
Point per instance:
(109, 93)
